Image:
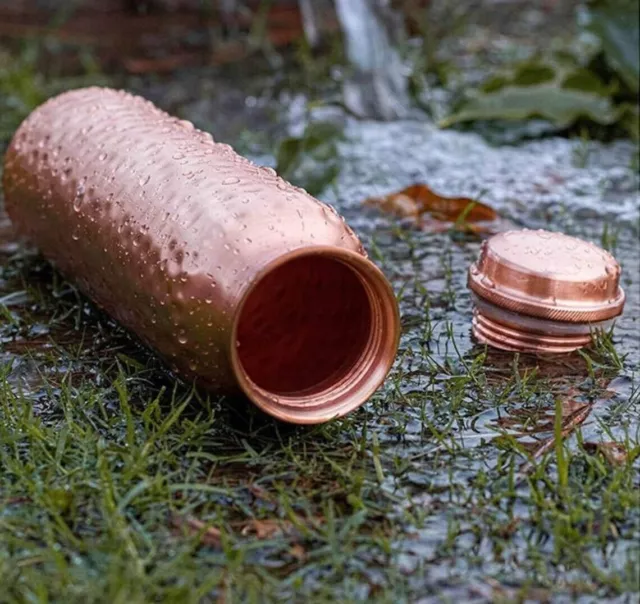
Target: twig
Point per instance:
(209, 535)
(574, 420)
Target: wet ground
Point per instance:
(448, 485)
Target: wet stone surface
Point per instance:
(538, 185)
(434, 487)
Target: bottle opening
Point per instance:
(315, 335)
(305, 323)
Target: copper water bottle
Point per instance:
(238, 279)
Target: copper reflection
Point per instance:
(543, 292)
(291, 335)
(238, 279)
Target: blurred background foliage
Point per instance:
(587, 81)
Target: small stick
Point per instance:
(209, 534)
(576, 419)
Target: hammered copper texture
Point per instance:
(162, 227)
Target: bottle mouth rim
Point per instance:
(339, 394)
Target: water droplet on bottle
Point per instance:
(79, 198)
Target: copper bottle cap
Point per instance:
(541, 291)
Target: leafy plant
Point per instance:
(555, 92)
(21, 88)
(564, 89)
(311, 161)
(617, 25)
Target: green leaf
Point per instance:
(320, 133)
(587, 81)
(531, 74)
(287, 156)
(562, 106)
(560, 93)
(494, 83)
(311, 161)
(630, 120)
(617, 24)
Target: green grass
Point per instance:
(460, 478)
(107, 463)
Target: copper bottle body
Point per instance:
(238, 279)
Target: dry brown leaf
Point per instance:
(499, 592)
(298, 552)
(571, 406)
(259, 493)
(507, 530)
(260, 529)
(210, 535)
(15, 501)
(615, 453)
(433, 212)
(265, 529)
